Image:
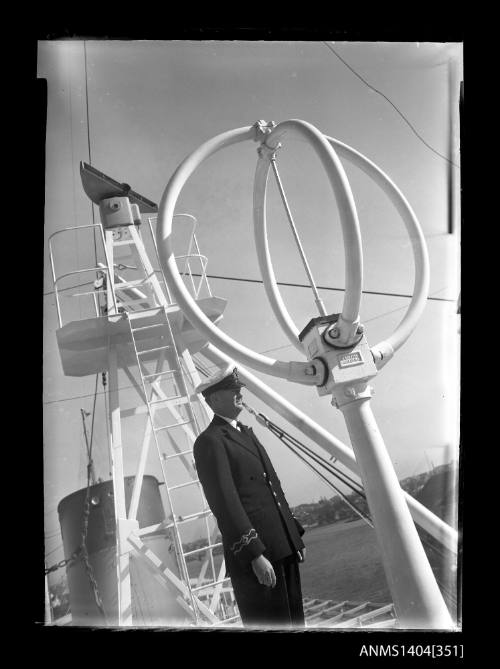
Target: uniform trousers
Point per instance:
(263, 606)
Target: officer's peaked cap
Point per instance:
(226, 379)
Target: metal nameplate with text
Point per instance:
(350, 359)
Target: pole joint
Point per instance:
(346, 394)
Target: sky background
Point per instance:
(141, 107)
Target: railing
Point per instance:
(98, 269)
(196, 281)
(187, 273)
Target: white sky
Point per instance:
(152, 103)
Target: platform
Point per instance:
(83, 345)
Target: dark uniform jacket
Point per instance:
(244, 494)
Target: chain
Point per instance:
(64, 563)
(83, 548)
(82, 553)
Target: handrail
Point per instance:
(203, 258)
(55, 279)
(78, 271)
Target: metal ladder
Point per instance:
(178, 400)
(157, 320)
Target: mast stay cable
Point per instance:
(317, 298)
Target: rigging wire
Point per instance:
(48, 537)
(392, 105)
(73, 175)
(302, 285)
(88, 132)
(356, 510)
(95, 246)
(319, 459)
(281, 283)
(92, 428)
(312, 283)
(426, 540)
(53, 550)
(268, 350)
(287, 439)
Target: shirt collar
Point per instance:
(231, 421)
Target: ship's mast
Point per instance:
(139, 326)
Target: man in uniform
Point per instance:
(261, 538)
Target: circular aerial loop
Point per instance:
(308, 373)
(348, 321)
(385, 349)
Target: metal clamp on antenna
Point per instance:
(262, 128)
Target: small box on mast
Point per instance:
(116, 212)
(343, 365)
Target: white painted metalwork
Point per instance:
(48, 607)
(56, 279)
(416, 596)
(385, 349)
(339, 360)
(150, 317)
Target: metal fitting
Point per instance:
(331, 333)
(263, 128)
(268, 152)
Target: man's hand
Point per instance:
(302, 555)
(264, 571)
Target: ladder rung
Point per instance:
(121, 285)
(187, 519)
(194, 516)
(180, 399)
(167, 399)
(152, 350)
(144, 313)
(147, 327)
(166, 427)
(183, 485)
(168, 371)
(210, 585)
(153, 311)
(176, 455)
(139, 300)
(204, 548)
